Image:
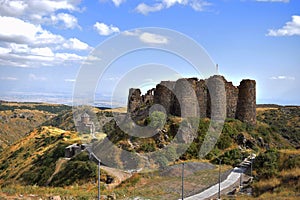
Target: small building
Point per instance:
(85, 125)
(73, 150)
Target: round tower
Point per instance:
(246, 106)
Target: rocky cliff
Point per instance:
(213, 98)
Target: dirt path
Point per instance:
(59, 163)
(119, 175)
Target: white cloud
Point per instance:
(70, 80)
(45, 11)
(289, 29)
(16, 30)
(68, 21)
(283, 1)
(282, 78)
(69, 56)
(9, 78)
(33, 77)
(153, 38)
(118, 2)
(146, 37)
(197, 5)
(45, 51)
(4, 50)
(75, 44)
(145, 9)
(23, 44)
(131, 33)
(105, 30)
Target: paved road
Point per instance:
(232, 178)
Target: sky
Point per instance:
(44, 44)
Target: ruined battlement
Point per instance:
(181, 97)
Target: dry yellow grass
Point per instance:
(265, 109)
(117, 110)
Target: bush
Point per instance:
(224, 141)
(266, 164)
(147, 147)
(157, 119)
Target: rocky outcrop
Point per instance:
(214, 97)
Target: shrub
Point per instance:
(266, 164)
(157, 119)
(147, 147)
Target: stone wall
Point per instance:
(192, 97)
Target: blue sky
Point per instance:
(44, 43)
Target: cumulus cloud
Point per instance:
(46, 11)
(197, 5)
(23, 44)
(282, 78)
(63, 20)
(289, 29)
(105, 30)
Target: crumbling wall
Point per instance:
(181, 97)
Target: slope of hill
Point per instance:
(17, 119)
(284, 120)
(37, 157)
(32, 159)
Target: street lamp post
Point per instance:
(251, 165)
(241, 171)
(182, 179)
(219, 192)
(99, 179)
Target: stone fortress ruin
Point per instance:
(240, 100)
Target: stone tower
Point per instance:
(246, 105)
(134, 100)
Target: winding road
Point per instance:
(232, 178)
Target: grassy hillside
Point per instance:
(276, 175)
(32, 159)
(35, 161)
(283, 120)
(18, 119)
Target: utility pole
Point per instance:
(182, 179)
(99, 179)
(99, 174)
(251, 160)
(241, 170)
(219, 193)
